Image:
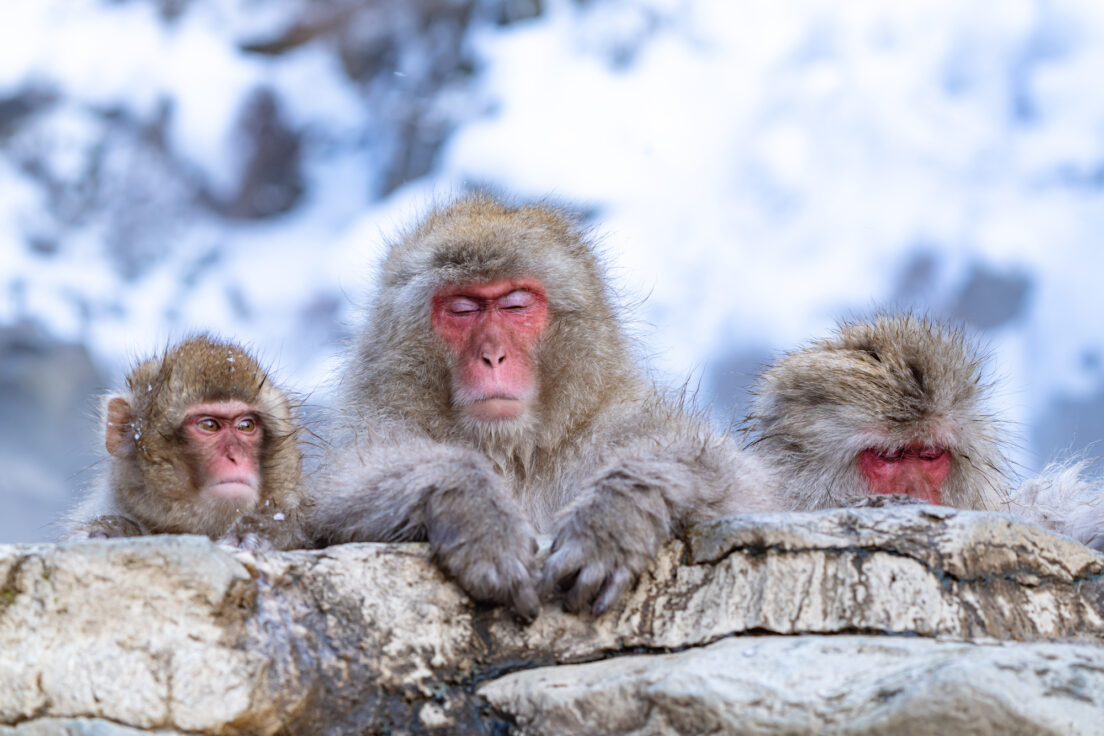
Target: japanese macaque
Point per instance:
(894, 406)
(1066, 499)
(897, 407)
(200, 442)
(493, 395)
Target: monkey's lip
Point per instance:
(496, 408)
(233, 489)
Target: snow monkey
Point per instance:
(200, 442)
(493, 395)
(897, 406)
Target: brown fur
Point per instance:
(149, 486)
(886, 383)
(600, 459)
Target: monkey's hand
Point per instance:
(109, 527)
(883, 500)
(603, 542)
(481, 540)
(249, 541)
(263, 531)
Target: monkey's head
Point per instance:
(495, 317)
(199, 437)
(890, 406)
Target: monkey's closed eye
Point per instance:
(461, 305)
(516, 300)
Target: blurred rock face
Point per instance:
(45, 443)
(118, 170)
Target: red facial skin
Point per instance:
(915, 471)
(491, 329)
(226, 439)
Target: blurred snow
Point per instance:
(762, 171)
(756, 171)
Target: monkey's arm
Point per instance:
(97, 516)
(418, 490)
(267, 529)
(648, 490)
(1064, 500)
(105, 527)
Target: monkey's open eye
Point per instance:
(207, 424)
(247, 425)
(462, 305)
(516, 300)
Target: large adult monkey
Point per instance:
(200, 442)
(898, 406)
(492, 394)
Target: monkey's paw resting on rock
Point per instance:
(603, 544)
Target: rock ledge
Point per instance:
(910, 619)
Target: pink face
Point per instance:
(915, 471)
(226, 437)
(491, 329)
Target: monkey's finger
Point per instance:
(230, 540)
(525, 603)
(616, 585)
(557, 569)
(558, 587)
(590, 581)
(561, 571)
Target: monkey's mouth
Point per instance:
(236, 490)
(495, 408)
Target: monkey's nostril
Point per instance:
(495, 358)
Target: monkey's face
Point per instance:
(491, 329)
(224, 442)
(917, 471)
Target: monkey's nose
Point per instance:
(494, 357)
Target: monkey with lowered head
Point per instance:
(897, 406)
(492, 395)
(200, 442)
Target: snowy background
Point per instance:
(758, 171)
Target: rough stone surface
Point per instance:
(177, 634)
(817, 684)
(78, 727)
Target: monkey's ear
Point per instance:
(120, 431)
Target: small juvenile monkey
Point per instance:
(893, 406)
(200, 442)
(897, 407)
(493, 395)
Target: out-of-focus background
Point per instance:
(758, 170)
